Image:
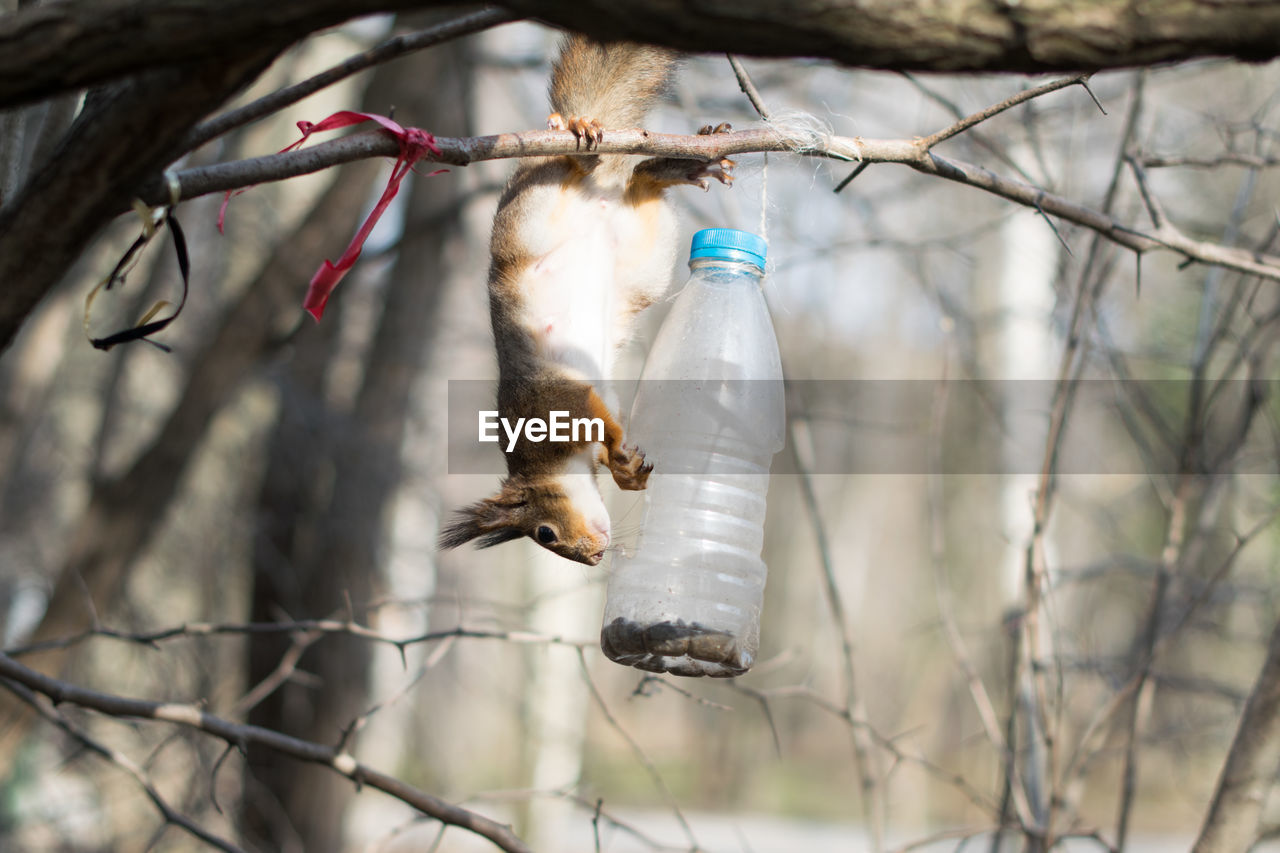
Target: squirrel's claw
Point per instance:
(722, 127)
(722, 171)
(584, 129)
(629, 469)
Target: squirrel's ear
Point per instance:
(490, 521)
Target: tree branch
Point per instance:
(954, 35)
(344, 627)
(41, 705)
(914, 153)
(125, 134)
(46, 48)
(50, 47)
(994, 110)
(1232, 823)
(242, 735)
(865, 765)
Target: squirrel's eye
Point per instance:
(546, 535)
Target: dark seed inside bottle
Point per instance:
(677, 647)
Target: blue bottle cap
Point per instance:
(729, 244)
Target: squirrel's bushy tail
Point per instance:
(614, 83)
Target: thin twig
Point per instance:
(41, 706)
(244, 735)
(638, 751)
(748, 87)
(1089, 287)
(974, 135)
(1090, 739)
(946, 777)
(387, 50)
(1154, 210)
(283, 672)
(946, 611)
(322, 626)
(995, 109)
(1229, 158)
(863, 754)
(437, 655)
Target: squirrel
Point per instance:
(581, 245)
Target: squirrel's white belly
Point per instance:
(571, 297)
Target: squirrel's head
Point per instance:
(563, 514)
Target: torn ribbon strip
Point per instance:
(414, 145)
(148, 325)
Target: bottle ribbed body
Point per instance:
(709, 414)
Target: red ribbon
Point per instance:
(414, 145)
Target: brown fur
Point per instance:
(594, 87)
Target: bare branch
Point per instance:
(995, 109)
(1229, 158)
(1231, 825)
(1037, 582)
(973, 135)
(863, 754)
(748, 87)
(1091, 736)
(121, 137)
(639, 753)
(1154, 210)
(389, 49)
(284, 670)
(913, 153)
(245, 735)
(946, 777)
(41, 705)
(300, 626)
(955, 641)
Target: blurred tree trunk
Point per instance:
(124, 512)
(333, 475)
(1251, 767)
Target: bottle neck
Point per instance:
(740, 268)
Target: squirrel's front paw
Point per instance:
(629, 469)
(584, 129)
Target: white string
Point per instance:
(764, 200)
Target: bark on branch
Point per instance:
(927, 35)
(50, 47)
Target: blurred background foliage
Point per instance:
(270, 469)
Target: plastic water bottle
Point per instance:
(709, 414)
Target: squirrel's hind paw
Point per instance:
(672, 171)
(584, 129)
(721, 171)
